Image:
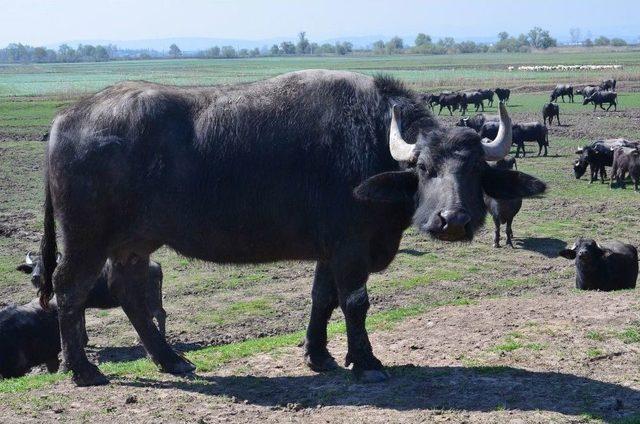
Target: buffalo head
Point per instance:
(446, 176)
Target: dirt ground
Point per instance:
(515, 360)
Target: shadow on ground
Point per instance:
(131, 353)
(480, 389)
(546, 246)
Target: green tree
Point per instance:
(423, 40)
(287, 47)
(618, 42)
(303, 44)
(540, 38)
(212, 52)
(395, 45)
(274, 50)
(587, 43)
(602, 41)
(174, 51)
(228, 52)
(66, 53)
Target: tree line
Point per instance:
(536, 38)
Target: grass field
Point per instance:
(241, 325)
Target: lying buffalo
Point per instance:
(476, 122)
(550, 110)
(600, 97)
(100, 296)
(310, 165)
(530, 131)
(606, 266)
(561, 90)
(503, 94)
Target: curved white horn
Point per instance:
(499, 148)
(28, 259)
(58, 257)
(400, 149)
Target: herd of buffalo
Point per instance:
(312, 165)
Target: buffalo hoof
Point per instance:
(91, 376)
(372, 376)
(320, 363)
(180, 366)
(496, 245)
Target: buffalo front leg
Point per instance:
(351, 272)
(509, 232)
(324, 299)
(72, 280)
(127, 280)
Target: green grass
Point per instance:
(594, 352)
(238, 310)
(596, 335)
(630, 334)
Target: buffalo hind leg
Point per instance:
(72, 280)
(350, 270)
(496, 234)
(53, 364)
(127, 280)
(324, 299)
(509, 232)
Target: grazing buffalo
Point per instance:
(550, 110)
(29, 336)
(587, 90)
(608, 84)
(597, 156)
(471, 97)
(606, 266)
(626, 160)
(310, 165)
(503, 211)
(530, 131)
(100, 296)
(476, 122)
(561, 90)
(487, 95)
(600, 97)
(452, 101)
(503, 94)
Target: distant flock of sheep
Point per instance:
(542, 68)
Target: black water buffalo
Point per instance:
(550, 110)
(476, 122)
(503, 211)
(100, 296)
(561, 90)
(489, 130)
(503, 94)
(626, 160)
(487, 95)
(587, 90)
(530, 131)
(597, 156)
(608, 84)
(29, 336)
(310, 165)
(430, 99)
(471, 97)
(452, 101)
(600, 97)
(606, 266)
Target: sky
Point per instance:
(48, 22)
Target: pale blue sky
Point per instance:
(53, 21)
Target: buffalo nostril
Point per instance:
(454, 218)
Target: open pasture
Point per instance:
(469, 332)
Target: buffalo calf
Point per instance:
(29, 336)
(504, 210)
(606, 267)
(625, 160)
(550, 110)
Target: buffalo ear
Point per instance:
(27, 269)
(388, 187)
(505, 184)
(567, 253)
